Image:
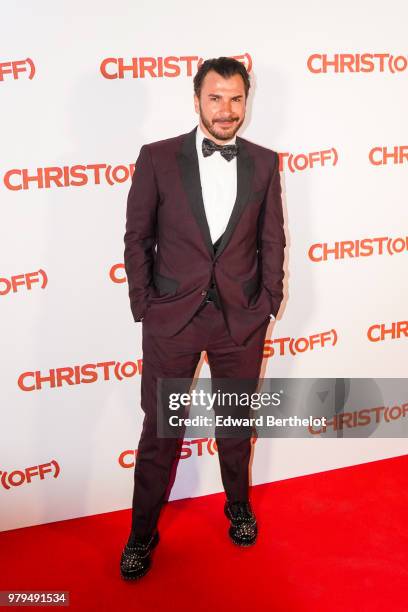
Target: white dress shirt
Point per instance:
(218, 179)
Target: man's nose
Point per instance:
(226, 106)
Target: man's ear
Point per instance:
(196, 104)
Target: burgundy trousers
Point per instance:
(178, 357)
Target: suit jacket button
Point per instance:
(203, 293)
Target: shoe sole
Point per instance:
(242, 545)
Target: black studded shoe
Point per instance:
(243, 530)
(135, 561)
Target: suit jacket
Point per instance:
(169, 257)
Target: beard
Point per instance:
(221, 133)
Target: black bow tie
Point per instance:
(228, 151)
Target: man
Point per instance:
(204, 251)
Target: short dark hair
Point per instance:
(226, 67)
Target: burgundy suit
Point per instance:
(165, 206)
(167, 289)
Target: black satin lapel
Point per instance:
(190, 175)
(245, 173)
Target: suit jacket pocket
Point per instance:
(165, 285)
(251, 288)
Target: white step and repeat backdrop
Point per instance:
(83, 85)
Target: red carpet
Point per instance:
(329, 542)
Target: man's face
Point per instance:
(221, 106)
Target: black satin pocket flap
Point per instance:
(164, 284)
(251, 286)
